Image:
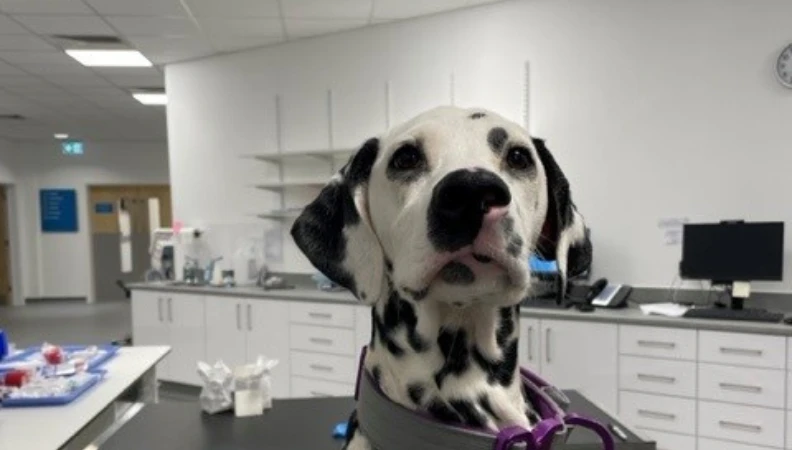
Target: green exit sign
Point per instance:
(72, 147)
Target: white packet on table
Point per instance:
(216, 394)
(253, 387)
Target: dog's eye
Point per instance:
(408, 157)
(519, 158)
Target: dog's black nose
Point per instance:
(458, 206)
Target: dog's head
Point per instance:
(446, 207)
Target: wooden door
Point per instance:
(104, 205)
(5, 256)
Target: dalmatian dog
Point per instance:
(432, 224)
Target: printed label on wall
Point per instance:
(58, 210)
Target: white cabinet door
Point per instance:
(582, 356)
(529, 348)
(226, 330)
(150, 325)
(186, 317)
(268, 335)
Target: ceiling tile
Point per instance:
(268, 28)
(96, 92)
(8, 26)
(140, 78)
(227, 43)
(401, 9)
(139, 7)
(90, 25)
(39, 69)
(36, 57)
(153, 26)
(162, 50)
(19, 80)
(234, 8)
(323, 9)
(51, 7)
(7, 69)
(22, 42)
(40, 88)
(86, 79)
(299, 28)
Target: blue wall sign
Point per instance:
(103, 208)
(58, 210)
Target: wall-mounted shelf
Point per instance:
(279, 186)
(276, 158)
(285, 214)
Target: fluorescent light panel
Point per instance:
(151, 98)
(61, 136)
(109, 58)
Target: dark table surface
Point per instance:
(297, 424)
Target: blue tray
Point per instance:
(55, 401)
(108, 351)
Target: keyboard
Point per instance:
(748, 315)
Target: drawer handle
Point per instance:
(739, 426)
(740, 351)
(316, 315)
(656, 415)
(656, 378)
(656, 344)
(322, 341)
(320, 394)
(321, 368)
(740, 388)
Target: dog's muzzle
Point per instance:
(460, 201)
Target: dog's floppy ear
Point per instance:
(335, 233)
(564, 236)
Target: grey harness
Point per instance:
(390, 426)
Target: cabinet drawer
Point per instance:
(322, 340)
(658, 376)
(307, 388)
(322, 314)
(749, 386)
(670, 441)
(742, 349)
(748, 424)
(324, 367)
(657, 342)
(656, 412)
(712, 444)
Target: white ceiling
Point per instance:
(56, 94)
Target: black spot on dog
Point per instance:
(376, 373)
(400, 312)
(485, 404)
(388, 265)
(477, 115)
(456, 354)
(506, 326)
(362, 295)
(416, 392)
(417, 295)
(467, 410)
(457, 273)
(497, 138)
(482, 258)
(407, 163)
(515, 246)
(508, 225)
(382, 332)
(502, 371)
(442, 412)
(359, 167)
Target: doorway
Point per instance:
(5, 249)
(105, 205)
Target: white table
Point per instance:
(78, 424)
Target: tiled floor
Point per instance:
(66, 323)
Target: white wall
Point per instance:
(59, 264)
(654, 110)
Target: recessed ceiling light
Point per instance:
(61, 136)
(151, 98)
(109, 58)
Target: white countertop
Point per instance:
(49, 428)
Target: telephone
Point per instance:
(604, 295)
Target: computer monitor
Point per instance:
(733, 251)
